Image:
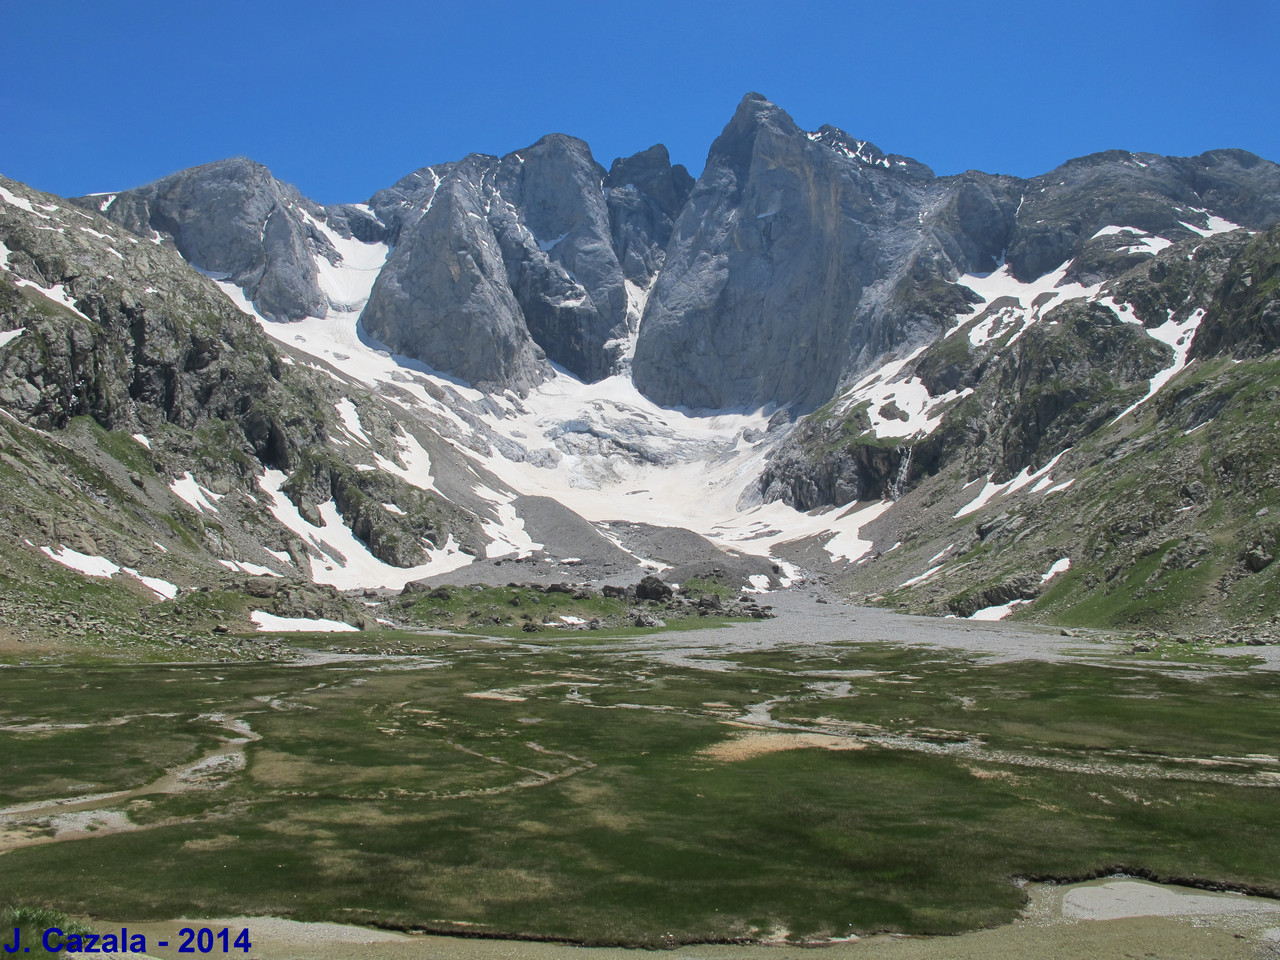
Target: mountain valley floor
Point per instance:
(836, 772)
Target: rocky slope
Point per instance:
(155, 442)
(1103, 463)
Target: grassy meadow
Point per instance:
(628, 791)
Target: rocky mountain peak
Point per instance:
(986, 362)
(791, 245)
(234, 219)
(653, 174)
(868, 153)
(818, 229)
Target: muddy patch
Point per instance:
(96, 815)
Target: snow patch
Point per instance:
(1145, 242)
(200, 498)
(999, 612)
(1213, 224)
(20, 202)
(253, 569)
(417, 468)
(161, 588)
(507, 533)
(1028, 302)
(90, 566)
(8, 335)
(790, 574)
(340, 559)
(351, 420)
(270, 622)
(1059, 566)
(347, 283)
(848, 544)
(546, 246)
(923, 577)
(898, 406)
(992, 490)
(57, 293)
(145, 441)
(1178, 335)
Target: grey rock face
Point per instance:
(783, 266)
(443, 296)
(801, 258)
(646, 194)
(1062, 210)
(859, 472)
(234, 219)
(553, 223)
(1244, 318)
(503, 264)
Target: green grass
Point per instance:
(702, 586)
(505, 611)
(33, 922)
(118, 444)
(563, 789)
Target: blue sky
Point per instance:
(343, 98)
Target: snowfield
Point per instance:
(610, 454)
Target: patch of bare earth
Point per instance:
(749, 745)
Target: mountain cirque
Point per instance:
(975, 395)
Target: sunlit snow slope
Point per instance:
(609, 454)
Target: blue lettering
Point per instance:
(53, 940)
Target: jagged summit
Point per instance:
(795, 262)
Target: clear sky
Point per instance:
(343, 98)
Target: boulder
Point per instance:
(653, 588)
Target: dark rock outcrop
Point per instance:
(653, 588)
(145, 340)
(1021, 587)
(1244, 317)
(646, 193)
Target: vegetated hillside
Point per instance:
(142, 414)
(1168, 512)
